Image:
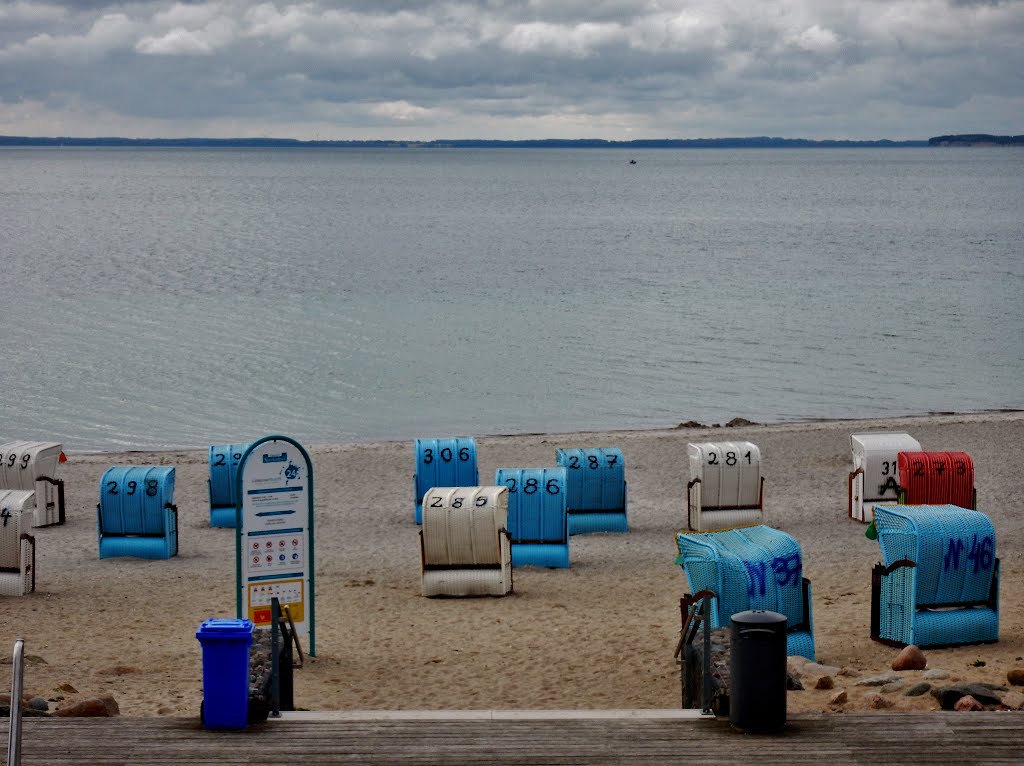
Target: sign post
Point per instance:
(274, 534)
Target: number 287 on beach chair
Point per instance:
(136, 513)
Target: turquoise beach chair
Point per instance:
(136, 513)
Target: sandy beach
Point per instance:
(598, 635)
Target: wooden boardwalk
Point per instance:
(524, 740)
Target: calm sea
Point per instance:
(175, 297)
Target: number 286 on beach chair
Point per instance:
(726, 488)
(536, 516)
(464, 546)
(17, 547)
(938, 584)
(443, 463)
(137, 515)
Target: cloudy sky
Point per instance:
(512, 69)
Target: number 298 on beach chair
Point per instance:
(136, 513)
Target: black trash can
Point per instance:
(757, 688)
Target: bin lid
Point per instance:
(225, 627)
(758, 617)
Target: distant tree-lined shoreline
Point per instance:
(756, 142)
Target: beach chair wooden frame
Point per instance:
(938, 583)
(136, 515)
(754, 567)
(17, 547)
(875, 476)
(33, 466)
(726, 489)
(465, 547)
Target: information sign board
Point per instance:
(274, 536)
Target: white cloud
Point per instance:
(217, 33)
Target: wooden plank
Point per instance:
(935, 738)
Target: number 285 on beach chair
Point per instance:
(136, 513)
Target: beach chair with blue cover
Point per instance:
(753, 567)
(596, 492)
(536, 516)
(136, 513)
(17, 546)
(936, 478)
(726, 488)
(443, 463)
(938, 582)
(465, 547)
(33, 466)
(875, 475)
(224, 460)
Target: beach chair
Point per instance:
(595, 490)
(224, 460)
(938, 582)
(17, 547)
(874, 478)
(33, 466)
(536, 516)
(936, 478)
(465, 547)
(751, 568)
(443, 463)
(726, 488)
(136, 513)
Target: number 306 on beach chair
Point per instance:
(726, 488)
(938, 584)
(443, 463)
(137, 515)
(595, 489)
(465, 547)
(17, 547)
(751, 568)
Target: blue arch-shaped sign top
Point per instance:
(309, 529)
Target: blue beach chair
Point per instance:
(596, 493)
(751, 568)
(938, 584)
(536, 516)
(224, 460)
(443, 463)
(136, 513)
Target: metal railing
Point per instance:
(695, 613)
(17, 683)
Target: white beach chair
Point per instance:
(17, 547)
(465, 548)
(874, 478)
(33, 466)
(726, 488)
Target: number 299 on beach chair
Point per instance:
(33, 466)
(224, 461)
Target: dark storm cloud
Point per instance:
(423, 69)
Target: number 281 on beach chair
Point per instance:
(136, 513)
(726, 488)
